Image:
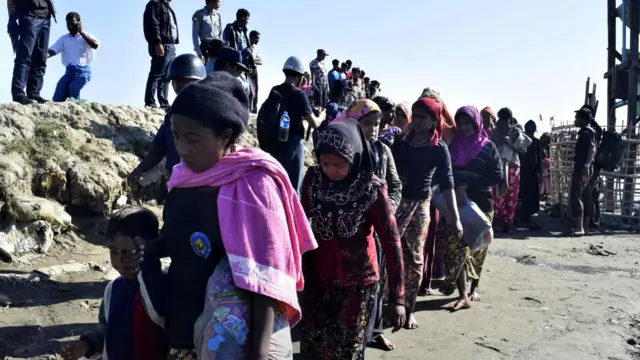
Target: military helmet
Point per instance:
(186, 66)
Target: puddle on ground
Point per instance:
(583, 269)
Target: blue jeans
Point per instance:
(292, 160)
(158, 83)
(31, 56)
(70, 84)
(13, 29)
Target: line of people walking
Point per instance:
(325, 248)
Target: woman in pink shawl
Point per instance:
(230, 293)
(476, 169)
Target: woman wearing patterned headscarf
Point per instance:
(368, 115)
(344, 200)
(422, 142)
(476, 169)
(403, 115)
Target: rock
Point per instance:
(80, 153)
(58, 270)
(74, 157)
(26, 208)
(76, 153)
(26, 237)
(120, 203)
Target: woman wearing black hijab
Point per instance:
(345, 203)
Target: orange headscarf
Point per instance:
(448, 123)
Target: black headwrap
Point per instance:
(218, 102)
(338, 208)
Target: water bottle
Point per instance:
(283, 134)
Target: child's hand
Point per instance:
(74, 350)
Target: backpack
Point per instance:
(611, 151)
(268, 122)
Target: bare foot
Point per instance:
(411, 323)
(383, 343)
(474, 296)
(461, 304)
(425, 292)
(447, 289)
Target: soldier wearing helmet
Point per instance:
(182, 71)
(289, 153)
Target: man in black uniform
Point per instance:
(34, 19)
(594, 183)
(580, 193)
(161, 33)
(183, 70)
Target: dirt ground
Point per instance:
(544, 296)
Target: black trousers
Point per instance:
(253, 102)
(580, 196)
(157, 82)
(595, 197)
(30, 62)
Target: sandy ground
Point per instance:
(543, 297)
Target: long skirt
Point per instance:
(457, 254)
(376, 320)
(413, 222)
(335, 322)
(506, 205)
(432, 265)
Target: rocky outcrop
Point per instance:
(79, 154)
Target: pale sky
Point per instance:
(532, 56)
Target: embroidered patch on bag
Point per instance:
(201, 244)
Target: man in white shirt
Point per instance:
(77, 50)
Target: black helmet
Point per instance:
(186, 66)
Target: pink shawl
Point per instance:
(263, 225)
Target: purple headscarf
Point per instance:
(464, 149)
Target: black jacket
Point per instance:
(233, 34)
(157, 23)
(36, 8)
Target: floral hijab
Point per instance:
(358, 109)
(337, 208)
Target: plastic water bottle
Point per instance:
(283, 134)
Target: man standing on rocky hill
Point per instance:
(206, 27)
(34, 18)
(161, 33)
(77, 49)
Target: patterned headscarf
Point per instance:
(448, 124)
(406, 109)
(358, 109)
(338, 208)
(436, 109)
(465, 149)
